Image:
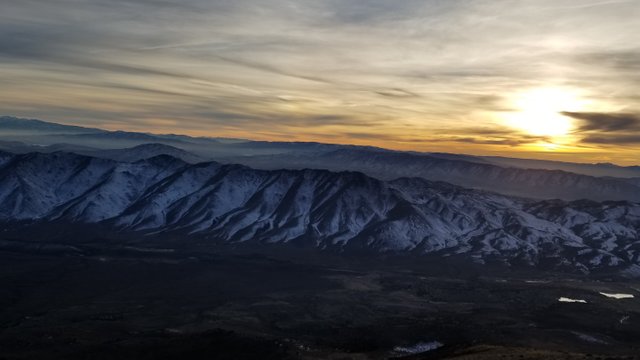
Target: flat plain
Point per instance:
(131, 302)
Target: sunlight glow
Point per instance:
(550, 146)
(539, 111)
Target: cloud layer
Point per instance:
(392, 73)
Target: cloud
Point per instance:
(507, 141)
(480, 136)
(397, 93)
(615, 140)
(625, 61)
(605, 122)
(271, 69)
(597, 4)
(416, 71)
(607, 128)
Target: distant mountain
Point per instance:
(13, 124)
(18, 147)
(515, 177)
(122, 135)
(457, 157)
(42, 133)
(345, 211)
(599, 169)
(145, 151)
(389, 165)
(133, 154)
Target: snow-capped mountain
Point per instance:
(341, 211)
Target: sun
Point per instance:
(538, 111)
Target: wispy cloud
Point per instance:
(621, 139)
(292, 69)
(597, 4)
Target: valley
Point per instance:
(282, 304)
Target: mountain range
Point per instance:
(333, 211)
(514, 181)
(515, 177)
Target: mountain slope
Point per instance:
(345, 211)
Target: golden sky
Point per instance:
(553, 79)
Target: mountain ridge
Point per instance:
(386, 165)
(503, 175)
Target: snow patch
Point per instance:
(589, 338)
(617, 296)
(418, 348)
(569, 300)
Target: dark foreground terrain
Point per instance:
(129, 302)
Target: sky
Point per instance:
(552, 79)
